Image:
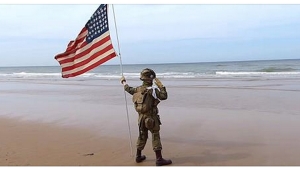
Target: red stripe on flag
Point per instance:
(108, 57)
(86, 52)
(73, 46)
(91, 48)
(89, 59)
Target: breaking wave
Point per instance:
(275, 69)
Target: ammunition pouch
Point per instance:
(149, 123)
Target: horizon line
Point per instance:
(159, 63)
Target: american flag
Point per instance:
(91, 48)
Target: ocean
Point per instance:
(264, 68)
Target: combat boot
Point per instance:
(161, 161)
(139, 157)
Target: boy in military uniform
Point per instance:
(146, 98)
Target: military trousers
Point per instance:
(143, 134)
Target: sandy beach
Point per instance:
(205, 122)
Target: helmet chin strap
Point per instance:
(147, 83)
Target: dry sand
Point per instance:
(209, 122)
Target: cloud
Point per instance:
(146, 22)
(163, 33)
(43, 21)
(172, 22)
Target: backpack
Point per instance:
(143, 100)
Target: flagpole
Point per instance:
(121, 68)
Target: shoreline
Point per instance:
(204, 123)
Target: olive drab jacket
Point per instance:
(160, 94)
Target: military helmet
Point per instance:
(147, 74)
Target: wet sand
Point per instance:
(206, 122)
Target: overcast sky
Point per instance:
(32, 34)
